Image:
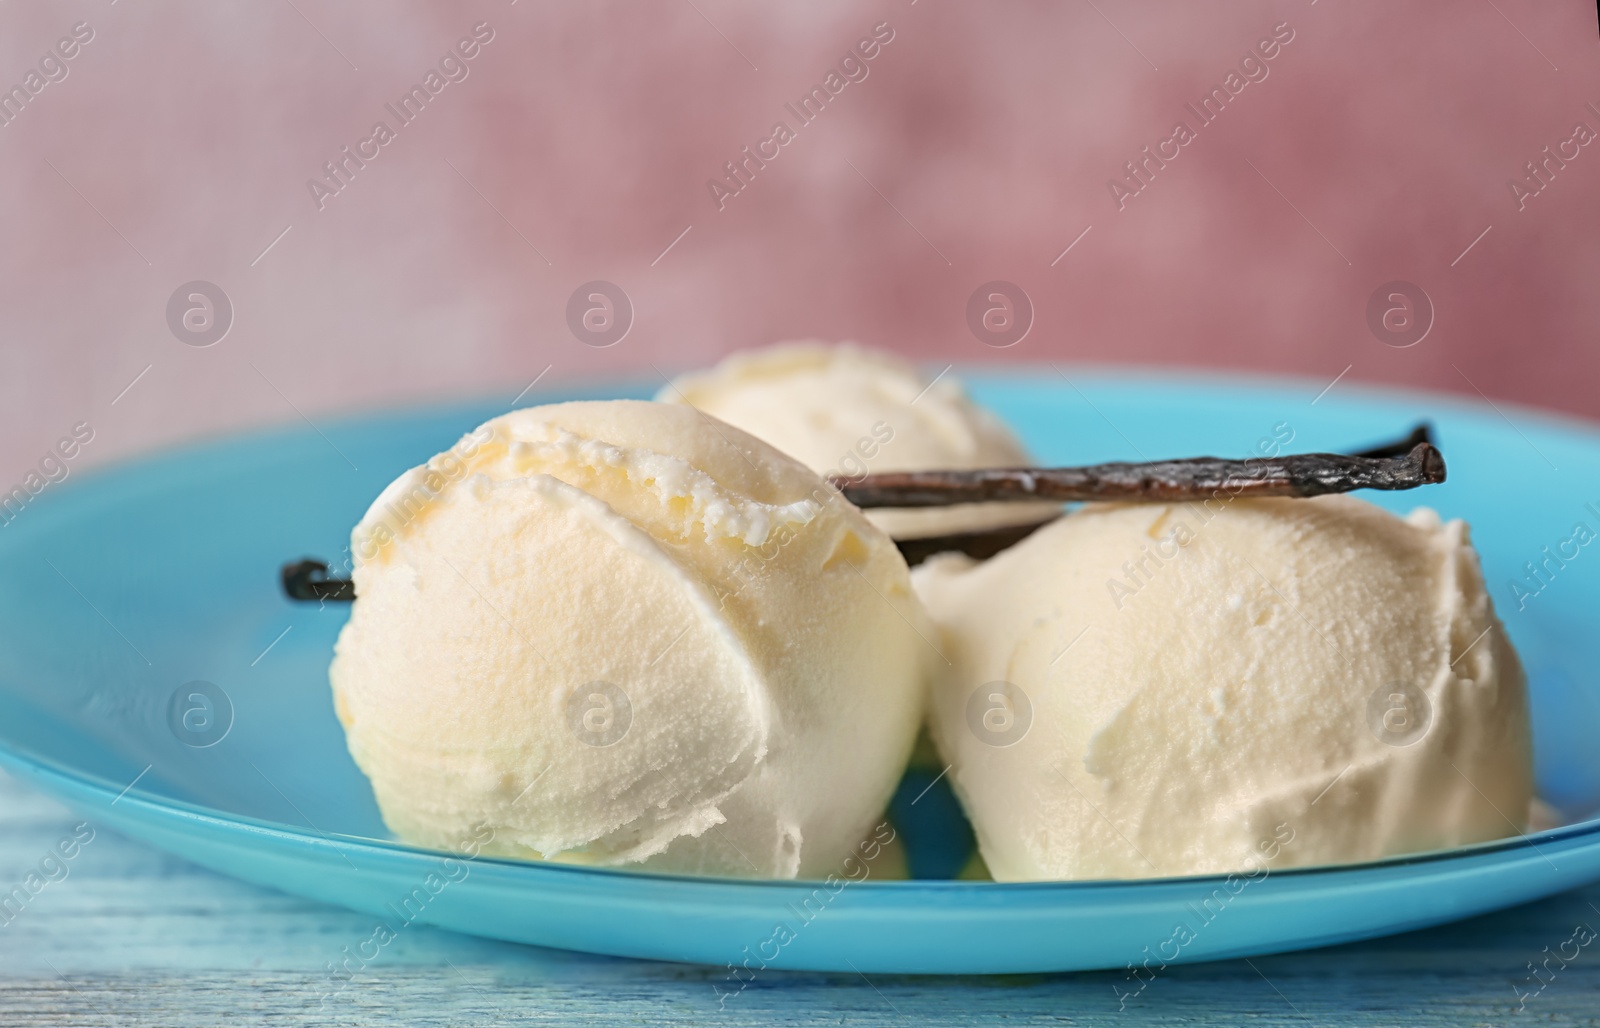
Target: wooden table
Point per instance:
(132, 936)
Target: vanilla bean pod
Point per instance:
(1165, 481)
(984, 543)
(1403, 464)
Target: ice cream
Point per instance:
(844, 410)
(1229, 686)
(623, 633)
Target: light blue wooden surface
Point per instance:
(131, 936)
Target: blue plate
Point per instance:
(140, 616)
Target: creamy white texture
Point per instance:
(1210, 684)
(844, 410)
(760, 634)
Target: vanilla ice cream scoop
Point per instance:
(1206, 688)
(622, 633)
(844, 410)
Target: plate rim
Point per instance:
(1013, 374)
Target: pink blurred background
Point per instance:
(178, 146)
